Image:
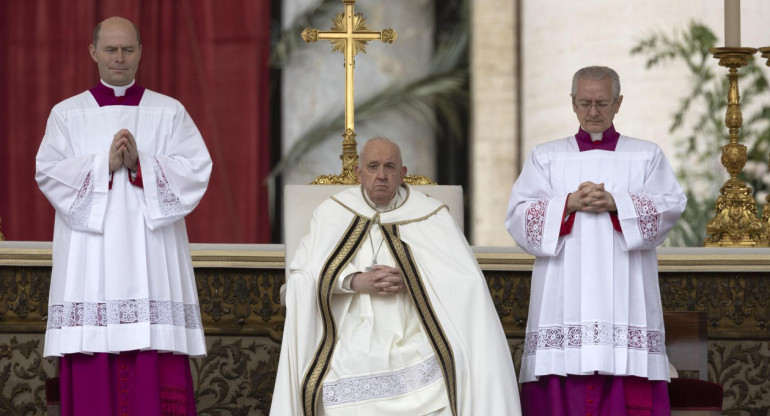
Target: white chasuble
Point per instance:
(122, 276)
(437, 346)
(595, 302)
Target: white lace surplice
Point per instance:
(122, 275)
(595, 302)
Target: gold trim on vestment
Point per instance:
(346, 249)
(423, 218)
(369, 202)
(430, 323)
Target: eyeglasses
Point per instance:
(600, 105)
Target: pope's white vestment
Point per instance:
(437, 347)
(122, 275)
(595, 301)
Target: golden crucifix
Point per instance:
(348, 35)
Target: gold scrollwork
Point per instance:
(389, 35)
(349, 162)
(310, 35)
(418, 180)
(340, 25)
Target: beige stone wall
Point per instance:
(494, 118)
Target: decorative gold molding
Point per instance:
(349, 158)
(418, 180)
(239, 288)
(246, 301)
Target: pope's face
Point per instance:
(380, 171)
(595, 104)
(117, 52)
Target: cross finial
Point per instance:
(348, 35)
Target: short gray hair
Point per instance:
(596, 73)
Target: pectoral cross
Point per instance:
(348, 35)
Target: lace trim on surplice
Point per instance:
(168, 202)
(595, 333)
(356, 389)
(118, 312)
(534, 222)
(80, 210)
(649, 218)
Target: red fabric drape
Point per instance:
(211, 55)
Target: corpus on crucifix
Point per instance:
(349, 35)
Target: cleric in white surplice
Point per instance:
(592, 208)
(122, 166)
(388, 312)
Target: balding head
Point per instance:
(116, 50)
(380, 169)
(115, 20)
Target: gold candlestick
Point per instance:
(736, 223)
(2, 237)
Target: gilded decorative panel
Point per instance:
(240, 302)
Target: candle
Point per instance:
(733, 23)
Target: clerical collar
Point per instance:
(394, 203)
(106, 94)
(608, 141)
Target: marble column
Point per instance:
(494, 118)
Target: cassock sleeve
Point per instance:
(76, 186)
(648, 215)
(535, 214)
(174, 179)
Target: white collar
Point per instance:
(398, 199)
(119, 90)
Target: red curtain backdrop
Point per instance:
(211, 55)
